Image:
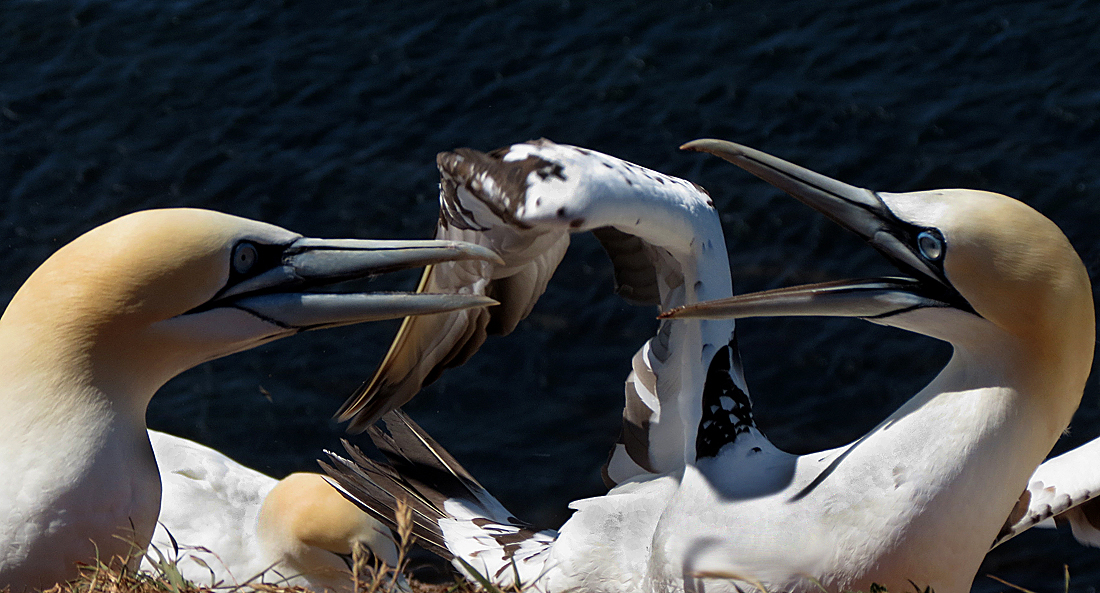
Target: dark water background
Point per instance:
(324, 117)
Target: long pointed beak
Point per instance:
(305, 311)
(859, 210)
(866, 299)
(856, 209)
(278, 294)
(318, 262)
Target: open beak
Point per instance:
(856, 209)
(279, 294)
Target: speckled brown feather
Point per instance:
(481, 195)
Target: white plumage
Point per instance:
(1063, 491)
(704, 500)
(223, 524)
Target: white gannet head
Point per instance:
(144, 297)
(976, 262)
(311, 530)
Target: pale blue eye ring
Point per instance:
(930, 245)
(244, 257)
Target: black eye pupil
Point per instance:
(244, 257)
(930, 245)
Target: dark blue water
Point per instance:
(325, 117)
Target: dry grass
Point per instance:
(368, 575)
(108, 579)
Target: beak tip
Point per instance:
(703, 145)
(670, 314)
(460, 302)
(719, 148)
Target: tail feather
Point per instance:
(453, 515)
(376, 489)
(425, 465)
(419, 448)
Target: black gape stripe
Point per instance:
(896, 312)
(727, 411)
(270, 320)
(908, 234)
(267, 257)
(933, 278)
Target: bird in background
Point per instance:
(109, 318)
(225, 525)
(920, 498)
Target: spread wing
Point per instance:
(1063, 490)
(665, 241)
(478, 194)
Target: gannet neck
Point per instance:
(969, 252)
(957, 453)
(1021, 358)
(1002, 284)
(78, 371)
(1024, 281)
(307, 526)
(225, 525)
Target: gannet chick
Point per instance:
(226, 525)
(314, 531)
(112, 316)
(920, 498)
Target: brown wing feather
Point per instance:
(478, 195)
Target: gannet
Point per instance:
(664, 238)
(918, 500)
(923, 495)
(113, 315)
(224, 525)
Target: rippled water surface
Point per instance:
(325, 117)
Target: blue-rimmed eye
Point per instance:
(244, 257)
(930, 245)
